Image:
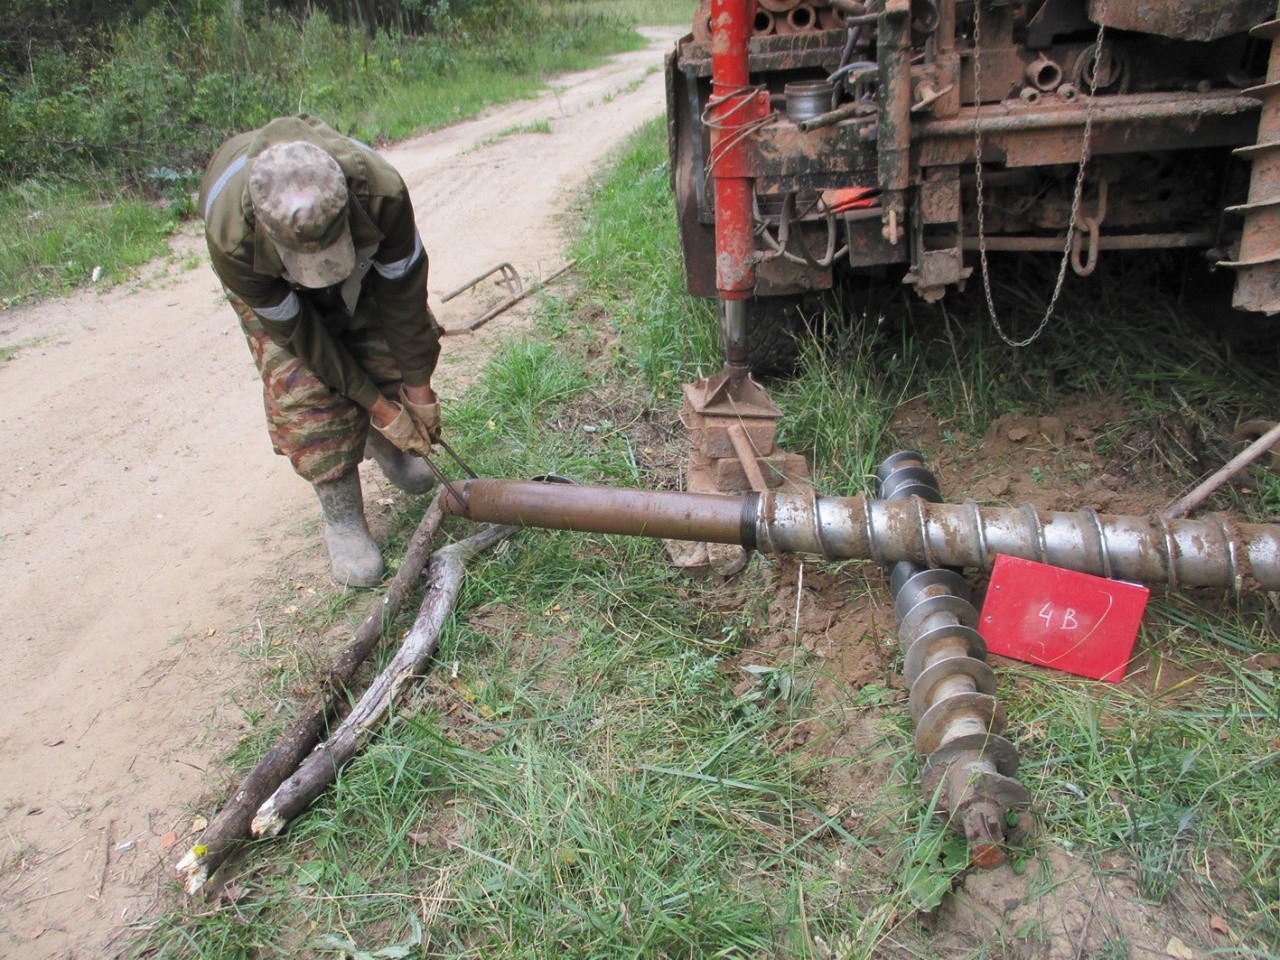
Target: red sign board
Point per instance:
(1058, 618)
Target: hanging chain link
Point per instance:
(1075, 199)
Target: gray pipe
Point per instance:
(1214, 552)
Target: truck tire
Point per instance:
(773, 326)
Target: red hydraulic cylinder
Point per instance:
(733, 108)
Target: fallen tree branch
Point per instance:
(318, 771)
(231, 826)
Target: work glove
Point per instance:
(425, 415)
(405, 433)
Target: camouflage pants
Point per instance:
(318, 429)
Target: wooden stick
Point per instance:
(318, 771)
(231, 826)
(106, 859)
(1233, 466)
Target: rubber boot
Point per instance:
(356, 559)
(411, 474)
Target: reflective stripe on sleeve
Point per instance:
(394, 271)
(287, 309)
(233, 168)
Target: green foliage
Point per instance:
(839, 405)
(29, 26)
(641, 12)
(630, 266)
(534, 376)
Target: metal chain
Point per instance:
(1075, 199)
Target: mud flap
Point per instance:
(686, 149)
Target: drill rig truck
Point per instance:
(911, 138)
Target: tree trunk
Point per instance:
(448, 566)
(231, 826)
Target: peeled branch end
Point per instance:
(267, 823)
(192, 870)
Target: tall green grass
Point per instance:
(641, 12)
(60, 235)
(630, 267)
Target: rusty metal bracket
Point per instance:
(507, 277)
(516, 291)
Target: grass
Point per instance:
(664, 337)
(534, 126)
(60, 234)
(1184, 767)
(13, 350)
(643, 12)
(476, 77)
(607, 760)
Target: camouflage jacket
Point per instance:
(391, 266)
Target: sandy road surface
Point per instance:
(140, 503)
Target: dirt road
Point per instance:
(140, 505)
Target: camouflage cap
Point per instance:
(299, 194)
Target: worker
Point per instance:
(313, 237)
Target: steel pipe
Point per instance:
(1214, 552)
(730, 112)
(699, 517)
(969, 765)
(1136, 108)
(802, 17)
(1136, 241)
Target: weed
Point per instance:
(13, 350)
(630, 87)
(64, 235)
(535, 126)
(839, 412)
(1113, 948)
(629, 266)
(640, 12)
